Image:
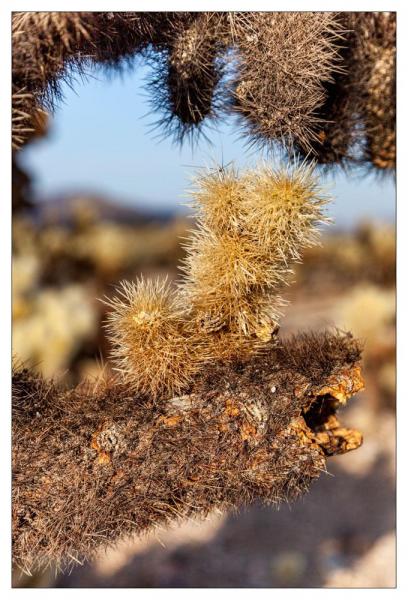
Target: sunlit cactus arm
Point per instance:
(252, 228)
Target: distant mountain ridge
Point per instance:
(67, 209)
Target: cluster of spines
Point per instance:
(50, 47)
(284, 59)
(380, 108)
(251, 228)
(154, 350)
(187, 68)
(357, 119)
(321, 83)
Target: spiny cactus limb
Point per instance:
(50, 47)
(154, 349)
(251, 230)
(380, 109)
(323, 84)
(357, 118)
(186, 74)
(283, 61)
(93, 465)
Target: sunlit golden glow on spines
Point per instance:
(251, 229)
(153, 350)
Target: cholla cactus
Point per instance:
(42, 41)
(153, 349)
(257, 418)
(52, 326)
(251, 228)
(323, 84)
(248, 426)
(49, 47)
(380, 111)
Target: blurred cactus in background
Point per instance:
(366, 254)
(52, 326)
(377, 331)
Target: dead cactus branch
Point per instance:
(95, 463)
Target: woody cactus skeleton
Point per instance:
(91, 465)
(210, 408)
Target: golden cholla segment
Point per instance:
(251, 227)
(282, 210)
(217, 198)
(152, 348)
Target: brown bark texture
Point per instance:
(95, 463)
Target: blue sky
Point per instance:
(101, 142)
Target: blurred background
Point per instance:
(98, 198)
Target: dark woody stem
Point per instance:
(95, 463)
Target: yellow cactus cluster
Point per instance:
(251, 228)
(154, 349)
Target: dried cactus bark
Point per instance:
(92, 464)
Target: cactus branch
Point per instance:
(323, 84)
(92, 464)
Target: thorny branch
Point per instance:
(95, 463)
